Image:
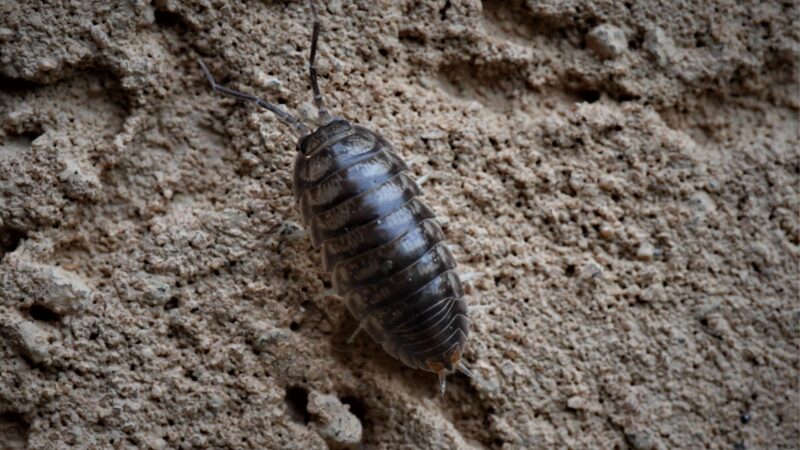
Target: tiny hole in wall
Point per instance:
(40, 312)
(297, 402)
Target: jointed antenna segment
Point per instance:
(324, 116)
(284, 117)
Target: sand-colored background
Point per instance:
(623, 174)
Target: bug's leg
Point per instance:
(478, 309)
(440, 368)
(414, 160)
(284, 117)
(355, 333)
(462, 367)
(299, 234)
(421, 180)
(469, 276)
(325, 294)
(472, 309)
(324, 117)
(293, 231)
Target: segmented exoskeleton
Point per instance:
(385, 251)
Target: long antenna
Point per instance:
(284, 117)
(312, 69)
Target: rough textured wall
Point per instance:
(623, 174)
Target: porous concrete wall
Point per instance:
(624, 175)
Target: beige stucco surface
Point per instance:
(623, 175)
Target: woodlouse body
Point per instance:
(385, 250)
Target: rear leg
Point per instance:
(421, 180)
(355, 333)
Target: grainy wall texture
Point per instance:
(623, 174)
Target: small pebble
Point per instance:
(47, 64)
(335, 6)
(333, 421)
(267, 81)
(591, 270)
(61, 291)
(100, 38)
(156, 291)
(266, 340)
(577, 181)
(308, 112)
(29, 339)
(78, 182)
(607, 231)
(640, 440)
(660, 45)
(576, 402)
(645, 252)
(607, 41)
(6, 34)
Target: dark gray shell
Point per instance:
(385, 250)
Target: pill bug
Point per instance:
(384, 248)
